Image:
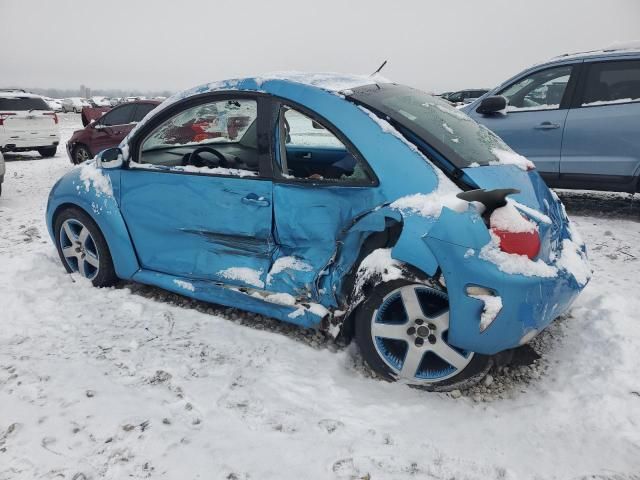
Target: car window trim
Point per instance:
(190, 102)
(277, 177)
(582, 86)
(567, 96)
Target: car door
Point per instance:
(536, 115)
(321, 185)
(111, 128)
(204, 215)
(601, 144)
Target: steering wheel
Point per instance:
(197, 161)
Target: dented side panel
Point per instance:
(200, 225)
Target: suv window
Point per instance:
(612, 82)
(310, 151)
(217, 138)
(19, 104)
(542, 90)
(118, 116)
(141, 111)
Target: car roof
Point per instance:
(10, 93)
(631, 49)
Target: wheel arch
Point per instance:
(110, 222)
(382, 228)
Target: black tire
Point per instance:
(106, 275)
(472, 373)
(78, 155)
(48, 152)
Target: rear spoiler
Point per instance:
(89, 114)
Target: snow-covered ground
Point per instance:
(134, 382)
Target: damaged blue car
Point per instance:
(364, 208)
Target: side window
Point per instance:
(141, 111)
(118, 116)
(541, 90)
(612, 82)
(218, 138)
(310, 151)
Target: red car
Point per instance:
(108, 129)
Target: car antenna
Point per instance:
(379, 68)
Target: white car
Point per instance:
(1, 171)
(100, 101)
(54, 103)
(27, 123)
(74, 104)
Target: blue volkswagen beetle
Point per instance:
(357, 206)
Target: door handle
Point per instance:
(253, 199)
(306, 155)
(547, 126)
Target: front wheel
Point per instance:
(402, 332)
(82, 247)
(81, 154)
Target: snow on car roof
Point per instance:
(614, 48)
(18, 94)
(331, 81)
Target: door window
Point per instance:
(310, 151)
(118, 116)
(141, 111)
(218, 138)
(612, 82)
(541, 90)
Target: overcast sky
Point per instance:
(175, 44)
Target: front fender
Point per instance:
(95, 191)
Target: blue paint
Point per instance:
(182, 231)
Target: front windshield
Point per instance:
(451, 132)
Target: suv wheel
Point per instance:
(48, 151)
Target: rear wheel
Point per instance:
(82, 247)
(81, 154)
(402, 331)
(48, 152)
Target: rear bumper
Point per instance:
(25, 141)
(529, 303)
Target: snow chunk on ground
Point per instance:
(492, 306)
(431, 204)
(506, 157)
(287, 263)
(509, 219)
(185, 285)
(243, 274)
(513, 263)
(92, 176)
(573, 260)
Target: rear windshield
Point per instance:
(443, 127)
(22, 103)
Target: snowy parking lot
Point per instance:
(135, 382)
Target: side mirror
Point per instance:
(491, 105)
(109, 158)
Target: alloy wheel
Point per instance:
(79, 248)
(410, 334)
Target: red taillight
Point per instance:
(520, 243)
(55, 116)
(4, 116)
